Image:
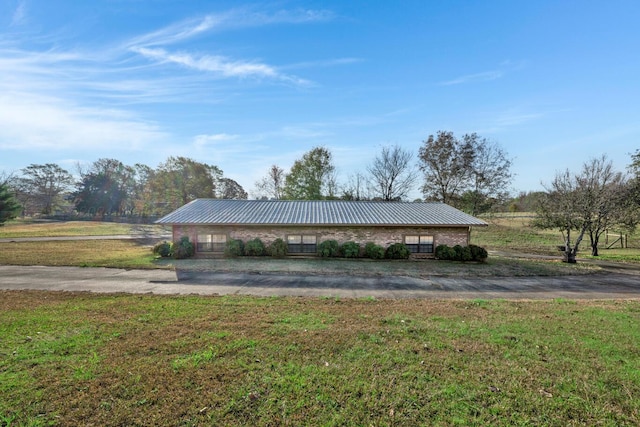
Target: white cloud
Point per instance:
(473, 78)
(20, 14)
(204, 140)
(30, 122)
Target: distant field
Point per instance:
(513, 232)
(20, 228)
(81, 359)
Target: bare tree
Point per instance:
(605, 191)
(271, 185)
(392, 174)
(470, 173)
(591, 201)
(356, 188)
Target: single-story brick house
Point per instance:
(210, 223)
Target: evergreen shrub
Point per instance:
(278, 248)
(350, 250)
(254, 247)
(234, 248)
(162, 249)
(373, 251)
(397, 251)
(182, 248)
(329, 249)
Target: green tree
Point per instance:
(180, 180)
(44, 186)
(312, 177)
(229, 189)
(9, 206)
(105, 188)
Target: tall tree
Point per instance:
(470, 173)
(272, 185)
(446, 164)
(229, 189)
(9, 206)
(104, 188)
(45, 186)
(392, 174)
(180, 180)
(489, 177)
(312, 177)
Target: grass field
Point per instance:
(82, 359)
(21, 228)
(71, 359)
(513, 232)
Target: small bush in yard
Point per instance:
(445, 252)
(278, 248)
(350, 250)
(373, 251)
(162, 249)
(234, 248)
(478, 253)
(254, 247)
(329, 249)
(182, 249)
(463, 253)
(397, 251)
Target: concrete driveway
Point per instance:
(108, 280)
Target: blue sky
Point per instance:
(246, 85)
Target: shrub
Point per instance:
(445, 252)
(162, 249)
(329, 248)
(463, 253)
(397, 251)
(373, 251)
(182, 249)
(234, 248)
(254, 247)
(478, 253)
(350, 250)
(278, 248)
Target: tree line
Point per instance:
(109, 187)
(470, 173)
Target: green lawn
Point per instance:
(83, 359)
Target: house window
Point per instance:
(419, 244)
(211, 242)
(301, 244)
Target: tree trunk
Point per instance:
(594, 243)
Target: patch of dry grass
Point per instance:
(81, 253)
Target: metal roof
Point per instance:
(317, 212)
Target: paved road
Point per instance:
(108, 280)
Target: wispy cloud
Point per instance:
(20, 14)
(153, 46)
(474, 78)
(502, 70)
(219, 65)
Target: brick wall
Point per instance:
(383, 236)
